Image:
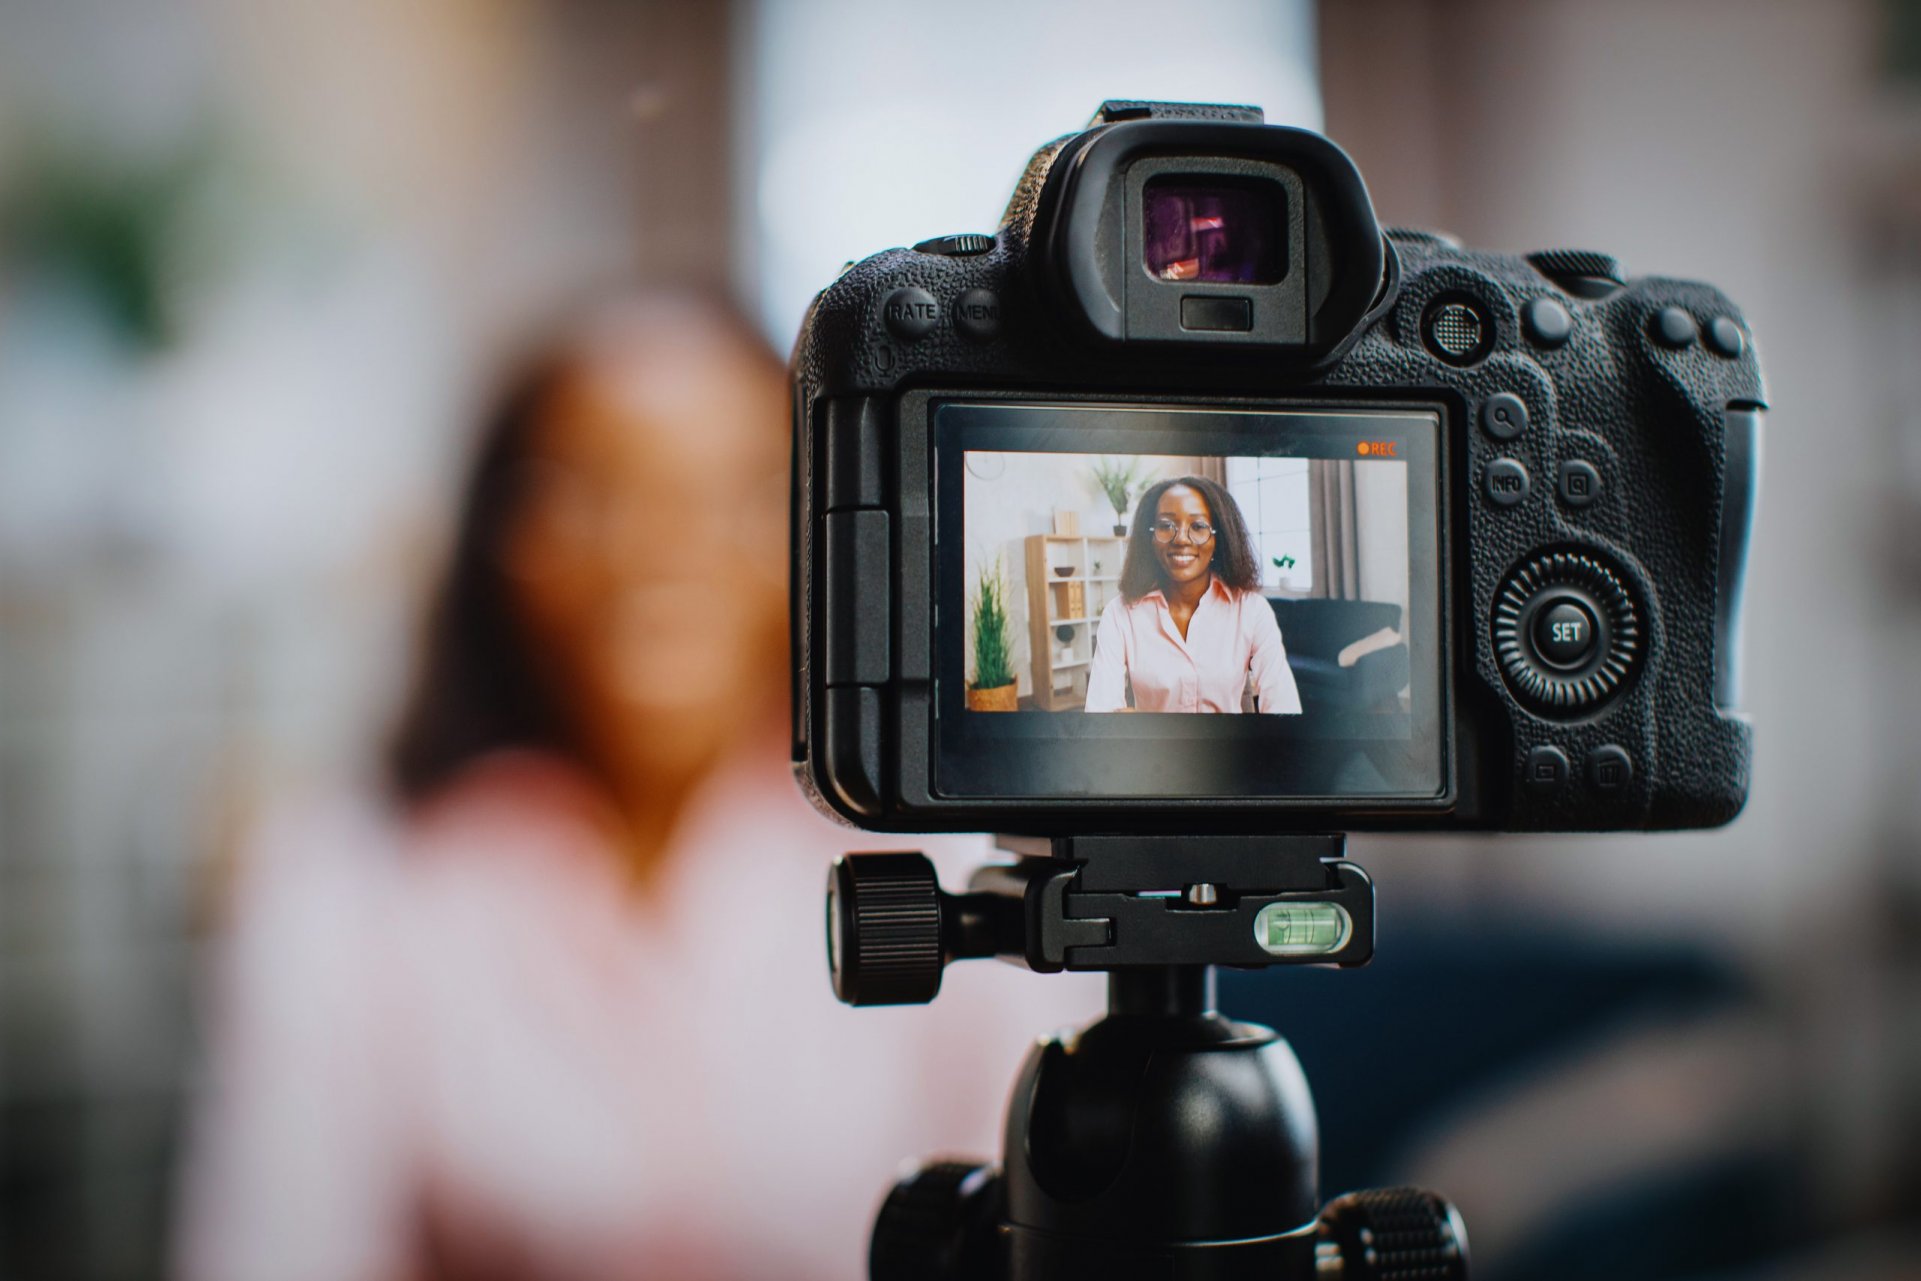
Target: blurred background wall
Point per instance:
(1771, 149)
(258, 263)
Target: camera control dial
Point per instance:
(884, 929)
(1391, 1234)
(1567, 632)
(1581, 272)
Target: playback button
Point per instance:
(1546, 768)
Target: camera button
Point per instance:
(1672, 327)
(910, 313)
(977, 314)
(1504, 415)
(1546, 767)
(1724, 337)
(1565, 633)
(1578, 483)
(1457, 329)
(1547, 322)
(1505, 482)
(1610, 768)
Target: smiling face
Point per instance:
(649, 558)
(1183, 559)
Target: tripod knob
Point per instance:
(940, 1223)
(1392, 1234)
(884, 929)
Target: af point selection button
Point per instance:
(910, 313)
(1564, 633)
(977, 314)
(1505, 482)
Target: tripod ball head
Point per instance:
(941, 1222)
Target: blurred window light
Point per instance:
(865, 124)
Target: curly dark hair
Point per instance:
(1234, 562)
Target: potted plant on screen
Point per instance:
(993, 688)
(1121, 480)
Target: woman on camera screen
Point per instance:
(1190, 630)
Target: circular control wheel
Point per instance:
(1567, 632)
(1391, 1234)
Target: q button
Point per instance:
(1504, 415)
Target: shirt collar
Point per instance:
(1215, 588)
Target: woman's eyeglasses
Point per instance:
(1200, 533)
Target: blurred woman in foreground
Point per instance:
(561, 1010)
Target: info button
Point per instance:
(1505, 482)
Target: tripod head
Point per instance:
(1164, 1140)
(1098, 903)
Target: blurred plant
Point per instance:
(109, 225)
(1121, 480)
(993, 636)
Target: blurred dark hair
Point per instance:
(1234, 563)
(477, 685)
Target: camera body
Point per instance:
(1520, 488)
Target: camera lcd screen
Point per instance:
(1157, 601)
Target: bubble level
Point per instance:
(1303, 929)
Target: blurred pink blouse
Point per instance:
(464, 1047)
(1231, 640)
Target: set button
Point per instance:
(1565, 632)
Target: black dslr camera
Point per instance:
(1180, 527)
(1497, 505)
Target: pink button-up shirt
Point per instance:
(1231, 638)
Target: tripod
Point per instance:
(1163, 1141)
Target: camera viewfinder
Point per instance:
(1218, 233)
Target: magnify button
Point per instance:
(1504, 415)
